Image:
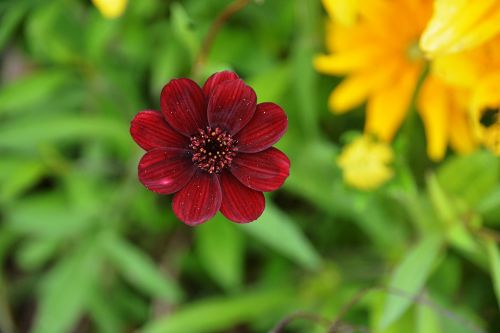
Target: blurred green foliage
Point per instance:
(85, 248)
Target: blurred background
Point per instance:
(84, 247)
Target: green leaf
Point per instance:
(66, 289)
(84, 194)
(444, 207)
(220, 248)
(410, 276)
(17, 175)
(305, 80)
(30, 91)
(271, 84)
(10, 20)
(427, 320)
(138, 268)
(489, 207)
(54, 32)
(103, 314)
(278, 231)
(448, 213)
(29, 132)
(470, 177)
(406, 322)
(99, 34)
(46, 215)
(168, 62)
(182, 28)
(36, 252)
(217, 314)
(494, 258)
(313, 174)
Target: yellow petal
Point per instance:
(461, 135)
(355, 89)
(442, 18)
(461, 69)
(348, 94)
(487, 92)
(339, 37)
(342, 11)
(482, 32)
(419, 10)
(378, 14)
(434, 105)
(111, 8)
(347, 61)
(452, 21)
(386, 108)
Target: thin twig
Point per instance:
(338, 326)
(209, 39)
(300, 315)
(420, 299)
(343, 327)
(334, 327)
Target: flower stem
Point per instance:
(209, 39)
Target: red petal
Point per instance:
(184, 106)
(150, 130)
(231, 105)
(217, 78)
(266, 127)
(262, 171)
(166, 170)
(199, 200)
(239, 203)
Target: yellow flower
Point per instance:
(477, 72)
(458, 25)
(111, 8)
(380, 55)
(342, 11)
(365, 163)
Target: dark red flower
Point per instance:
(211, 146)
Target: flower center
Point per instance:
(213, 149)
(489, 116)
(413, 51)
